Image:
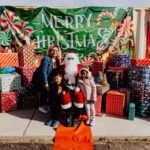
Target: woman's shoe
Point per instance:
(49, 123)
(43, 110)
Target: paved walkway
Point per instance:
(32, 123)
(110, 133)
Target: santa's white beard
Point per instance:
(71, 70)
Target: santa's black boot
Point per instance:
(75, 122)
(69, 121)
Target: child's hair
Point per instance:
(57, 73)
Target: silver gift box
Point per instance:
(10, 82)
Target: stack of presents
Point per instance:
(123, 85)
(16, 91)
(125, 89)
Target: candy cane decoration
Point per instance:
(26, 28)
(103, 14)
(87, 61)
(92, 54)
(8, 20)
(5, 39)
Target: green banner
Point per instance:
(87, 30)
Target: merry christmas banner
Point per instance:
(89, 31)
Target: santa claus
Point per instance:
(71, 69)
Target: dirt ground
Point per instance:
(103, 143)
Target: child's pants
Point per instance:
(90, 110)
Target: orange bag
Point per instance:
(73, 138)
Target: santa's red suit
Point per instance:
(70, 71)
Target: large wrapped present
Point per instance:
(26, 56)
(9, 60)
(119, 60)
(102, 89)
(115, 102)
(139, 73)
(133, 74)
(140, 62)
(98, 105)
(127, 101)
(115, 78)
(27, 102)
(144, 74)
(140, 91)
(10, 82)
(143, 108)
(26, 75)
(8, 101)
(96, 67)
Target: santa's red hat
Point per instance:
(66, 101)
(72, 55)
(79, 99)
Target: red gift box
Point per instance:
(98, 105)
(115, 102)
(26, 56)
(96, 67)
(26, 75)
(140, 62)
(8, 101)
(9, 60)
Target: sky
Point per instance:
(77, 3)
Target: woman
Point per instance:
(44, 75)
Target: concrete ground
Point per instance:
(29, 125)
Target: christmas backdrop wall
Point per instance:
(86, 30)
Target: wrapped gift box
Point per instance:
(115, 78)
(26, 75)
(131, 115)
(9, 60)
(26, 56)
(101, 89)
(143, 108)
(140, 62)
(10, 82)
(8, 101)
(119, 60)
(127, 100)
(98, 105)
(115, 102)
(96, 67)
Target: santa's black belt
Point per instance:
(71, 85)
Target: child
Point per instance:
(88, 88)
(57, 89)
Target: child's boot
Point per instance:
(92, 122)
(88, 121)
(75, 122)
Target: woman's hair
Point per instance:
(51, 48)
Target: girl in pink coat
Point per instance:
(88, 88)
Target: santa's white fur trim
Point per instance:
(77, 89)
(66, 106)
(78, 105)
